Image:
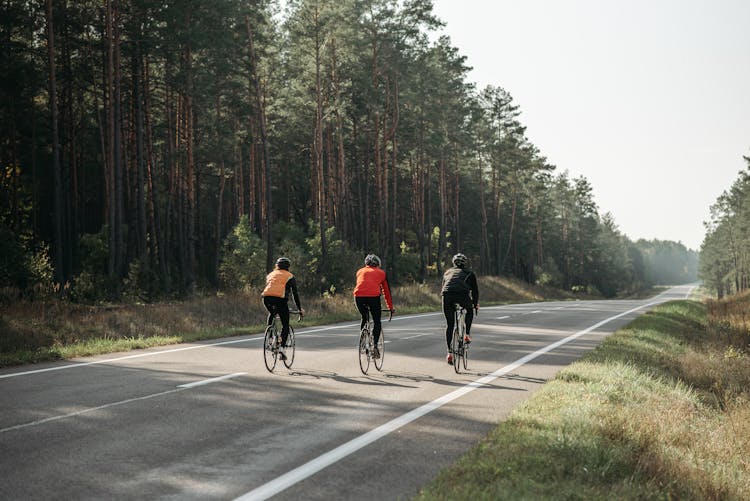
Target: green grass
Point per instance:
(638, 418)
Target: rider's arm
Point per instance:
(387, 294)
(472, 281)
(292, 285)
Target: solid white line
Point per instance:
(86, 411)
(212, 380)
(311, 467)
(122, 402)
(416, 335)
(194, 347)
(503, 318)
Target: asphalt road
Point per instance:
(207, 421)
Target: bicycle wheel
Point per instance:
(456, 350)
(364, 351)
(290, 344)
(381, 349)
(465, 355)
(270, 352)
(464, 346)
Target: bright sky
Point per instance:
(648, 99)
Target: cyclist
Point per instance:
(371, 282)
(279, 283)
(459, 287)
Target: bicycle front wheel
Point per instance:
(465, 355)
(270, 351)
(381, 349)
(364, 351)
(290, 344)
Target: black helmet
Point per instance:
(283, 263)
(372, 260)
(459, 260)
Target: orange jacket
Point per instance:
(371, 282)
(276, 283)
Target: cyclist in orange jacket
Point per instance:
(279, 283)
(371, 282)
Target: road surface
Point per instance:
(207, 421)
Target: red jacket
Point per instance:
(371, 282)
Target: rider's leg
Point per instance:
(450, 319)
(283, 309)
(377, 327)
(270, 305)
(363, 311)
(469, 317)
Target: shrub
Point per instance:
(243, 261)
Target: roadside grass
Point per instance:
(660, 410)
(39, 331)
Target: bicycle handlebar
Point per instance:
(299, 315)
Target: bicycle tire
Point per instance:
(364, 351)
(464, 347)
(465, 355)
(381, 349)
(455, 350)
(290, 346)
(270, 352)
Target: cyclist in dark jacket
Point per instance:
(459, 287)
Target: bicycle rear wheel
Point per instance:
(290, 344)
(270, 352)
(364, 350)
(464, 347)
(456, 350)
(381, 349)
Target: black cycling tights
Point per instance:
(278, 305)
(371, 304)
(449, 310)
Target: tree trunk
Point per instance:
(59, 275)
(264, 139)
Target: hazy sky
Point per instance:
(648, 99)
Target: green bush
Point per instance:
(407, 264)
(243, 258)
(92, 284)
(22, 268)
(337, 271)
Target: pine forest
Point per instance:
(174, 146)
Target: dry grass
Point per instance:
(661, 410)
(47, 330)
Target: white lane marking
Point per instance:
(308, 469)
(536, 311)
(161, 352)
(212, 380)
(503, 318)
(194, 347)
(123, 402)
(416, 335)
(91, 409)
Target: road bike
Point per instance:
(459, 348)
(272, 344)
(366, 346)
